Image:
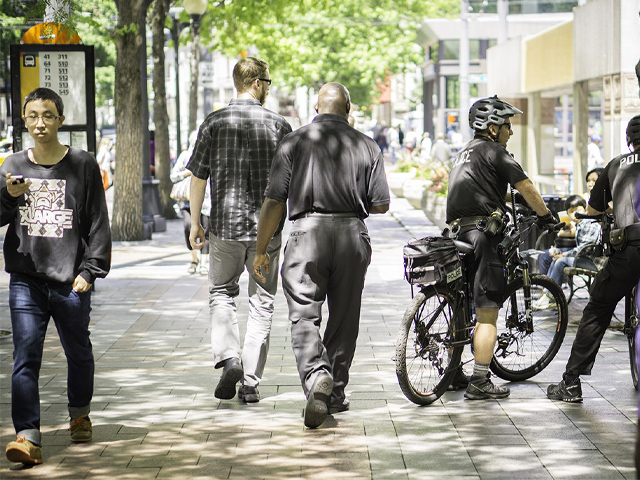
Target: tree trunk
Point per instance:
(193, 93)
(160, 113)
(127, 208)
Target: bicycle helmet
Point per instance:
(633, 131)
(490, 111)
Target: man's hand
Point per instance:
(261, 260)
(196, 236)
(80, 285)
(546, 221)
(16, 189)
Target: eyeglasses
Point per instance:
(265, 80)
(47, 119)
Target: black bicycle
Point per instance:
(440, 321)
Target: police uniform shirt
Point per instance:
(328, 167)
(620, 177)
(479, 179)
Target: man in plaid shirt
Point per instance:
(234, 150)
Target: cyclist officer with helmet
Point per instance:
(617, 183)
(476, 205)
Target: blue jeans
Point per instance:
(32, 303)
(545, 260)
(557, 268)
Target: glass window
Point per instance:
(451, 49)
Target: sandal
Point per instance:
(192, 267)
(204, 270)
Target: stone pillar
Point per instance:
(531, 163)
(580, 134)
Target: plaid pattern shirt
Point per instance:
(587, 231)
(235, 147)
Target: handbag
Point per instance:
(181, 190)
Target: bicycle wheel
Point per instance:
(425, 357)
(526, 346)
(631, 310)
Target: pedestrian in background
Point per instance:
(181, 178)
(594, 157)
(441, 152)
(234, 150)
(333, 177)
(52, 198)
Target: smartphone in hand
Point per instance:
(18, 178)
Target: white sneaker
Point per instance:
(545, 301)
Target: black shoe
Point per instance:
(339, 406)
(232, 373)
(567, 393)
(317, 409)
(460, 380)
(481, 388)
(248, 394)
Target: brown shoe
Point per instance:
(23, 451)
(81, 430)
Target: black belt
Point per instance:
(457, 224)
(632, 232)
(323, 214)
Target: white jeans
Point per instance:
(227, 260)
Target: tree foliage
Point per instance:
(308, 43)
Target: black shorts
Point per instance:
(489, 283)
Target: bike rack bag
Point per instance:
(431, 261)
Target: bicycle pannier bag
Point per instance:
(431, 261)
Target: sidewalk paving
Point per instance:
(155, 416)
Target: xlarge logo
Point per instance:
(44, 213)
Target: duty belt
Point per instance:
(632, 234)
(457, 224)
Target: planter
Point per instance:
(396, 181)
(414, 191)
(435, 208)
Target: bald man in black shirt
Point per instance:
(333, 177)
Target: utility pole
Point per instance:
(463, 116)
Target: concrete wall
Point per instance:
(504, 64)
(548, 59)
(607, 38)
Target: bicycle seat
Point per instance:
(463, 247)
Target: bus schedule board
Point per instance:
(69, 71)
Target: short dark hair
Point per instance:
(597, 170)
(574, 201)
(246, 71)
(44, 94)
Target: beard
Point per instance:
(263, 96)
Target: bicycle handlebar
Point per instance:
(584, 216)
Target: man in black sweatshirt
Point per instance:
(58, 242)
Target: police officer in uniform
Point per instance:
(333, 177)
(478, 183)
(616, 184)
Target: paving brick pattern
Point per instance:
(155, 416)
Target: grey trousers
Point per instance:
(326, 257)
(227, 260)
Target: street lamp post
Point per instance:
(177, 27)
(196, 9)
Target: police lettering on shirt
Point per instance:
(462, 157)
(44, 213)
(630, 160)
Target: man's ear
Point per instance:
(348, 107)
(316, 107)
